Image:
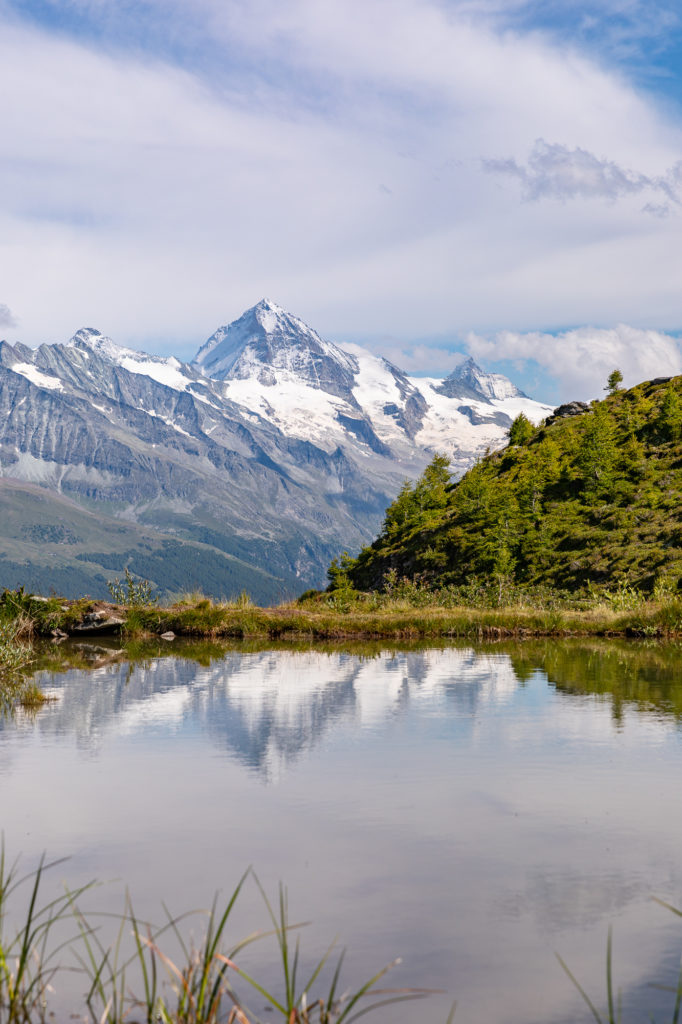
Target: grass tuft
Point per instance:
(134, 976)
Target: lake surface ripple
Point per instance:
(472, 809)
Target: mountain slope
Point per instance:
(593, 496)
(49, 543)
(288, 451)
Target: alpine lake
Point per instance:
(472, 809)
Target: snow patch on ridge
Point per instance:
(37, 377)
(295, 407)
(163, 370)
(444, 425)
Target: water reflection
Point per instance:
(266, 708)
(646, 675)
(473, 809)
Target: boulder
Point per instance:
(567, 409)
(96, 622)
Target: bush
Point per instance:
(132, 593)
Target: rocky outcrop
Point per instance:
(568, 409)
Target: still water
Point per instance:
(473, 810)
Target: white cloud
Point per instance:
(418, 358)
(157, 203)
(582, 359)
(6, 316)
(554, 171)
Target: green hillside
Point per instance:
(50, 544)
(587, 499)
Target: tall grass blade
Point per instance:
(678, 997)
(317, 969)
(405, 998)
(259, 988)
(668, 906)
(609, 976)
(365, 988)
(580, 989)
(335, 981)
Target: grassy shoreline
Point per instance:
(402, 624)
(327, 617)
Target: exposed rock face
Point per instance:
(568, 409)
(273, 447)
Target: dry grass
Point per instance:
(405, 622)
(410, 612)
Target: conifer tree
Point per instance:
(614, 382)
(598, 451)
(521, 430)
(670, 418)
(339, 571)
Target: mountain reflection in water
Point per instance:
(473, 809)
(267, 708)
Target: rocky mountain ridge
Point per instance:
(274, 449)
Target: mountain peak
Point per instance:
(86, 336)
(93, 340)
(269, 305)
(269, 344)
(469, 380)
(270, 316)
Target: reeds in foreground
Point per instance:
(135, 978)
(28, 959)
(614, 1008)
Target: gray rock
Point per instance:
(568, 409)
(99, 626)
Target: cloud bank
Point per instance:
(164, 166)
(582, 359)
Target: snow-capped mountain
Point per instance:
(267, 344)
(468, 378)
(274, 364)
(252, 466)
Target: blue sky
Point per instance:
(427, 177)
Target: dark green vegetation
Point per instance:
(584, 501)
(646, 675)
(196, 987)
(51, 544)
